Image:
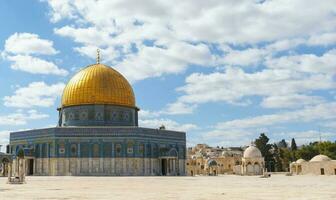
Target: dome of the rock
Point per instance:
(98, 84)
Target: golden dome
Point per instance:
(98, 84)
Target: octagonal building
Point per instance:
(98, 134)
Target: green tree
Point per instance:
(293, 145)
(282, 144)
(265, 149)
(276, 155)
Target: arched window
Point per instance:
(141, 149)
(61, 148)
(95, 152)
(73, 150)
(84, 149)
(107, 150)
(37, 150)
(83, 115)
(130, 147)
(155, 150)
(44, 151)
(118, 149)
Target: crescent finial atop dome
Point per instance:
(98, 56)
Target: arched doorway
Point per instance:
(212, 164)
(249, 168)
(4, 166)
(169, 162)
(256, 168)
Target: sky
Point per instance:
(223, 71)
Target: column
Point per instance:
(41, 159)
(78, 158)
(113, 160)
(174, 166)
(145, 159)
(90, 156)
(48, 159)
(9, 172)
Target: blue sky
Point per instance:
(224, 71)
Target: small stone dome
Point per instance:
(299, 161)
(320, 158)
(252, 152)
(225, 153)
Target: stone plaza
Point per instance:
(232, 187)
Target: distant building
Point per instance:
(205, 160)
(318, 165)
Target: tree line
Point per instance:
(279, 155)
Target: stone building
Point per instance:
(98, 133)
(252, 162)
(318, 165)
(205, 160)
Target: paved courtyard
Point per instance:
(220, 187)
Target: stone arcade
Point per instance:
(98, 133)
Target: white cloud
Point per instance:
(19, 49)
(4, 140)
(21, 118)
(35, 65)
(324, 111)
(215, 21)
(35, 94)
(61, 9)
(28, 43)
(246, 57)
(304, 137)
(243, 131)
(291, 101)
(233, 85)
(168, 123)
(151, 119)
(146, 114)
(177, 108)
(324, 39)
(308, 63)
(182, 32)
(156, 61)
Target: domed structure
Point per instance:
(320, 158)
(252, 152)
(98, 133)
(98, 96)
(299, 161)
(252, 162)
(318, 165)
(98, 84)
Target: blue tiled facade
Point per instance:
(79, 142)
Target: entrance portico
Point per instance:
(168, 166)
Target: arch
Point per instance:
(249, 168)
(5, 160)
(173, 152)
(299, 169)
(212, 163)
(256, 168)
(73, 150)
